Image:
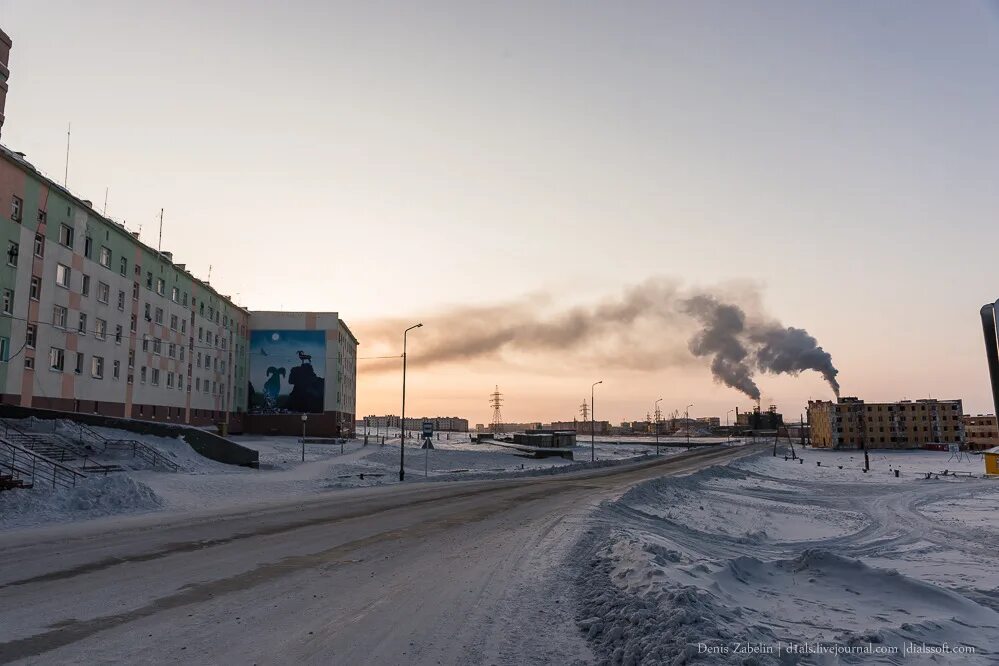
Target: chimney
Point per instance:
(5, 45)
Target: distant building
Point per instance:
(441, 423)
(710, 421)
(582, 427)
(851, 423)
(511, 427)
(760, 420)
(981, 432)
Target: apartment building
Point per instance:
(94, 320)
(982, 431)
(850, 423)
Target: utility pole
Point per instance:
(686, 417)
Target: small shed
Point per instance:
(991, 461)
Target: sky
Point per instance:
(400, 159)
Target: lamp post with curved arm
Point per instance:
(402, 421)
(655, 412)
(593, 450)
(686, 417)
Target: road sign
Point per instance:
(428, 429)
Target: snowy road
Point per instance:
(429, 573)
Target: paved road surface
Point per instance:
(429, 573)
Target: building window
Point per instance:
(88, 247)
(183, 326)
(157, 346)
(62, 276)
(133, 324)
(180, 381)
(42, 217)
(30, 334)
(105, 257)
(101, 329)
(117, 334)
(97, 367)
(149, 279)
(85, 286)
(160, 286)
(121, 300)
(66, 235)
(116, 370)
(155, 377)
(131, 358)
(135, 291)
(173, 322)
(148, 312)
(4, 350)
(172, 350)
(123, 269)
(184, 300)
(175, 295)
(59, 314)
(39, 246)
(142, 374)
(83, 324)
(159, 316)
(169, 380)
(103, 292)
(13, 249)
(16, 208)
(8, 301)
(35, 288)
(29, 362)
(145, 343)
(57, 359)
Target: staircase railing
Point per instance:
(138, 449)
(40, 469)
(65, 454)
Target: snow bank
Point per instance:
(684, 568)
(91, 498)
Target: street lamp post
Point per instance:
(686, 417)
(655, 413)
(593, 450)
(402, 421)
(727, 430)
(305, 417)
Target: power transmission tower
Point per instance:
(584, 409)
(495, 401)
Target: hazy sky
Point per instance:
(397, 158)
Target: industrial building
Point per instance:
(981, 432)
(850, 423)
(94, 320)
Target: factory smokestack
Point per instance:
(650, 326)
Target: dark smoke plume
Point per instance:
(645, 328)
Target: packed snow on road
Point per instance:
(200, 483)
(775, 561)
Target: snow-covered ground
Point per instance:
(202, 483)
(856, 567)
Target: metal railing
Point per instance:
(26, 464)
(138, 449)
(52, 450)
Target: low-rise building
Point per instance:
(981, 432)
(850, 423)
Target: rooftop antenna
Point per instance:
(210, 274)
(159, 243)
(105, 211)
(65, 175)
(495, 400)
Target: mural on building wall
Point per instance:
(287, 370)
